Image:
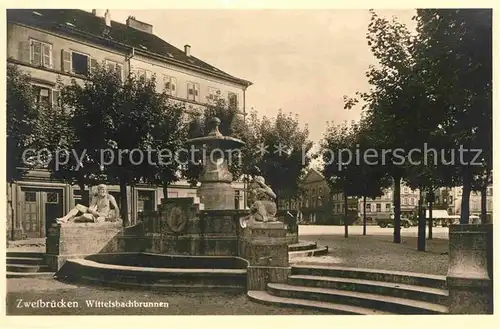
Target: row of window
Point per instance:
(51, 197)
(340, 208)
(40, 54)
(378, 207)
(193, 88)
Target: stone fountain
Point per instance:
(216, 191)
(208, 234)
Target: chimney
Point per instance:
(138, 25)
(98, 12)
(187, 50)
(107, 18)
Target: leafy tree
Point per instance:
(279, 147)
(22, 116)
(386, 104)
(124, 132)
(369, 181)
(338, 143)
(456, 67)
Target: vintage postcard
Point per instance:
(249, 161)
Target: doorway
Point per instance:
(38, 210)
(145, 201)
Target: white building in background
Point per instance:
(384, 206)
(67, 44)
(451, 200)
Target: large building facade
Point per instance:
(63, 45)
(450, 199)
(318, 204)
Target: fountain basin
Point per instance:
(158, 272)
(143, 259)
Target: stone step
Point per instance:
(266, 298)
(29, 254)
(427, 294)
(173, 271)
(14, 275)
(410, 278)
(308, 253)
(77, 270)
(170, 287)
(365, 300)
(302, 245)
(25, 260)
(27, 268)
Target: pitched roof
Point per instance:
(85, 24)
(313, 175)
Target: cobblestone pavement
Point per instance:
(380, 252)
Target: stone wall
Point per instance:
(78, 240)
(181, 228)
(470, 271)
(265, 247)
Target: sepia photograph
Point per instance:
(249, 161)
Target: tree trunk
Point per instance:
(464, 207)
(346, 224)
(431, 201)
(364, 215)
(484, 215)
(397, 209)
(421, 224)
(124, 203)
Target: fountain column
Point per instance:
(216, 192)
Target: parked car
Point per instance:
(387, 221)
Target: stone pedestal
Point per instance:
(470, 277)
(78, 240)
(182, 227)
(265, 247)
(216, 195)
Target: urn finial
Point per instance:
(213, 124)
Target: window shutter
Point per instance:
(55, 98)
(190, 91)
(24, 51)
(133, 71)
(65, 61)
(47, 55)
(166, 83)
(141, 73)
(196, 92)
(36, 53)
(110, 66)
(119, 68)
(93, 65)
(233, 100)
(173, 86)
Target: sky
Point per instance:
(300, 61)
